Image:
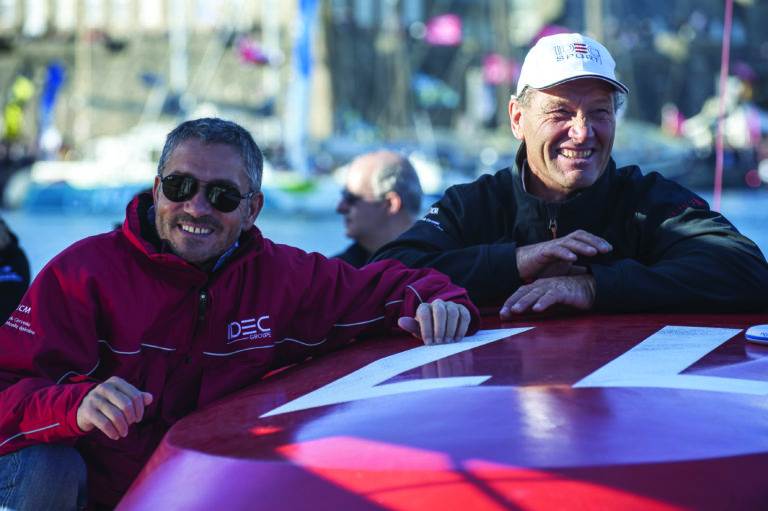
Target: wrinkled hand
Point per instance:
(555, 258)
(112, 407)
(438, 322)
(577, 292)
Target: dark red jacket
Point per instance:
(112, 305)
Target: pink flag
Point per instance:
(444, 30)
(498, 70)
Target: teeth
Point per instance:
(196, 230)
(575, 154)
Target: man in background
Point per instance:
(380, 200)
(14, 272)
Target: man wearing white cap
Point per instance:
(565, 227)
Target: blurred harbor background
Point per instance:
(89, 89)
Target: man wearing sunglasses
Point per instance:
(125, 333)
(381, 199)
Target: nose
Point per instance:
(581, 128)
(342, 206)
(198, 204)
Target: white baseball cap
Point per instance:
(559, 58)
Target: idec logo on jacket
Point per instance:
(251, 328)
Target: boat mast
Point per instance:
(724, 59)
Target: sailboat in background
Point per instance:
(273, 67)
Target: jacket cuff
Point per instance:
(609, 284)
(502, 265)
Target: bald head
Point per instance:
(383, 199)
(386, 171)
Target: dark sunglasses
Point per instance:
(222, 197)
(352, 198)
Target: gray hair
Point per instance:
(524, 98)
(214, 130)
(399, 176)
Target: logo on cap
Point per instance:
(577, 51)
(559, 58)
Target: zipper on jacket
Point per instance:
(552, 210)
(202, 304)
(553, 228)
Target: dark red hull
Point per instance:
(620, 412)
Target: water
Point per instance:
(43, 235)
(747, 209)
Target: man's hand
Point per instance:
(577, 292)
(555, 258)
(111, 407)
(438, 322)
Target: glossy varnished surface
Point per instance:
(562, 412)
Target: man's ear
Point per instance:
(515, 114)
(255, 203)
(156, 188)
(393, 201)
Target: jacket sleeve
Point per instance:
(690, 259)
(341, 302)
(455, 242)
(41, 369)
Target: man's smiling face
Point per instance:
(193, 229)
(569, 131)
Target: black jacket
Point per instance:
(355, 255)
(14, 277)
(670, 251)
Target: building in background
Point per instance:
(318, 81)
